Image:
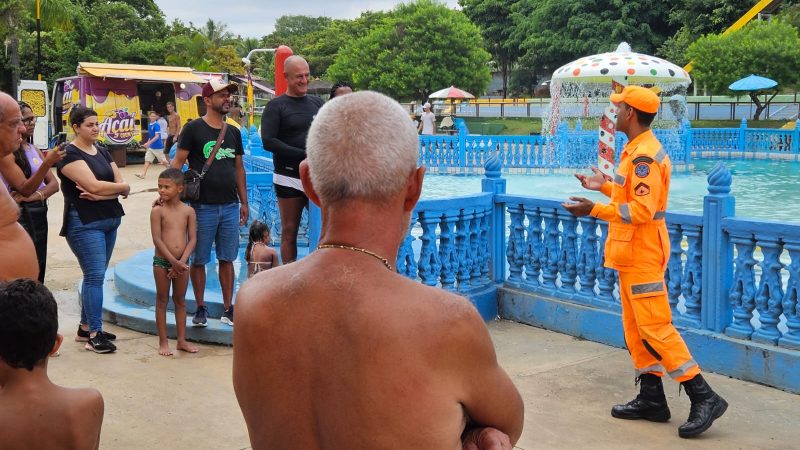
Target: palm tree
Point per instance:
(50, 14)
(216, 33)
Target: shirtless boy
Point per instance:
(34, 412)
(13, 238)
(338, 350)
(174, 228)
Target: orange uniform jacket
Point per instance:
(637, 233)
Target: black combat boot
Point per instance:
(650, 404)
(707, 406)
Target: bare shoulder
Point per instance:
(444, 305)
(186, 209)
(156, 211)
(264, 287)
(84, 400)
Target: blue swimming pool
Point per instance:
(763, 189)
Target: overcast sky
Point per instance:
(256, 18)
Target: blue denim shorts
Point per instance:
(217, 225)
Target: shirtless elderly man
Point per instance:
(338, 350)
(13, 238)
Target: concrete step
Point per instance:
(135, 316)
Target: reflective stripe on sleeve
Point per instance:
(680, 371)
(661, 155)
(619, 179)
(647, 288)
(625, 212)
(659, 215)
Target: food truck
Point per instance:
(122, 95)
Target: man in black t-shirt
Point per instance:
(284, 127)
(222, 206)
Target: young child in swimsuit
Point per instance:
(34, 412)
(259, 255)
(174, 228)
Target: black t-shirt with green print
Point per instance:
(219, 183)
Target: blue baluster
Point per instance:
(550, 256)
(568, 253)
(588, 256)
(769, 297)
(463, 251)
(405, 263)
(674, 274)
(692, 283)
(743, 291)
(515, 250)
(447, 250)
(533, 247)
(475, 247)
(791, 305)
(486, 245)
(605, 276)
(429, 256)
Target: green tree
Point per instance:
(421, 47)
(769, 49)
(18, 17)
(494, 19)
(323, 45)
(554, 32)
(696, 18)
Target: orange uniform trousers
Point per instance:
(654, 343)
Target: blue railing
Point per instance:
(733, 283)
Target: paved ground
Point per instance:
(569, 385)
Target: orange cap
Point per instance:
(638, 97)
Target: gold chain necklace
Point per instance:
(359, 249)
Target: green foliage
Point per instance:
(674, 48)
(554, 32)
(421, 47)
(770, 49)
(494, 18)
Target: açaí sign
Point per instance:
(120, 128)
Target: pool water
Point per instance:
(763, 189)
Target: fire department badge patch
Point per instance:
(642, 170)
(641, 189)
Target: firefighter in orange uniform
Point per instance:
(638, 248)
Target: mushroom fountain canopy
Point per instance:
(635, 68)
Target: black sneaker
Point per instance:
(227, 316)
(200, 318)
(100, 344)
(83, 335)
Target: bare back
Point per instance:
(174, 220)
(15, 241)
(347, 361)
(51, 417)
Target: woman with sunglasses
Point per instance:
(28, 178)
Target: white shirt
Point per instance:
(162, 123)
(428, 122)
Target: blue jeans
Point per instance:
(217, 225)
(92, 243)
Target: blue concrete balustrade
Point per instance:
(464, 153)
(733, 283)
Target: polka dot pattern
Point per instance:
(637, 68)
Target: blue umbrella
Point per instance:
(753, 83)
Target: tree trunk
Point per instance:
(759, 106)
(505, 76)
(13, 50)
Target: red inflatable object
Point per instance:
(281, 54)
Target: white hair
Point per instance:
(361, 145)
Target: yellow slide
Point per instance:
(747, 17)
